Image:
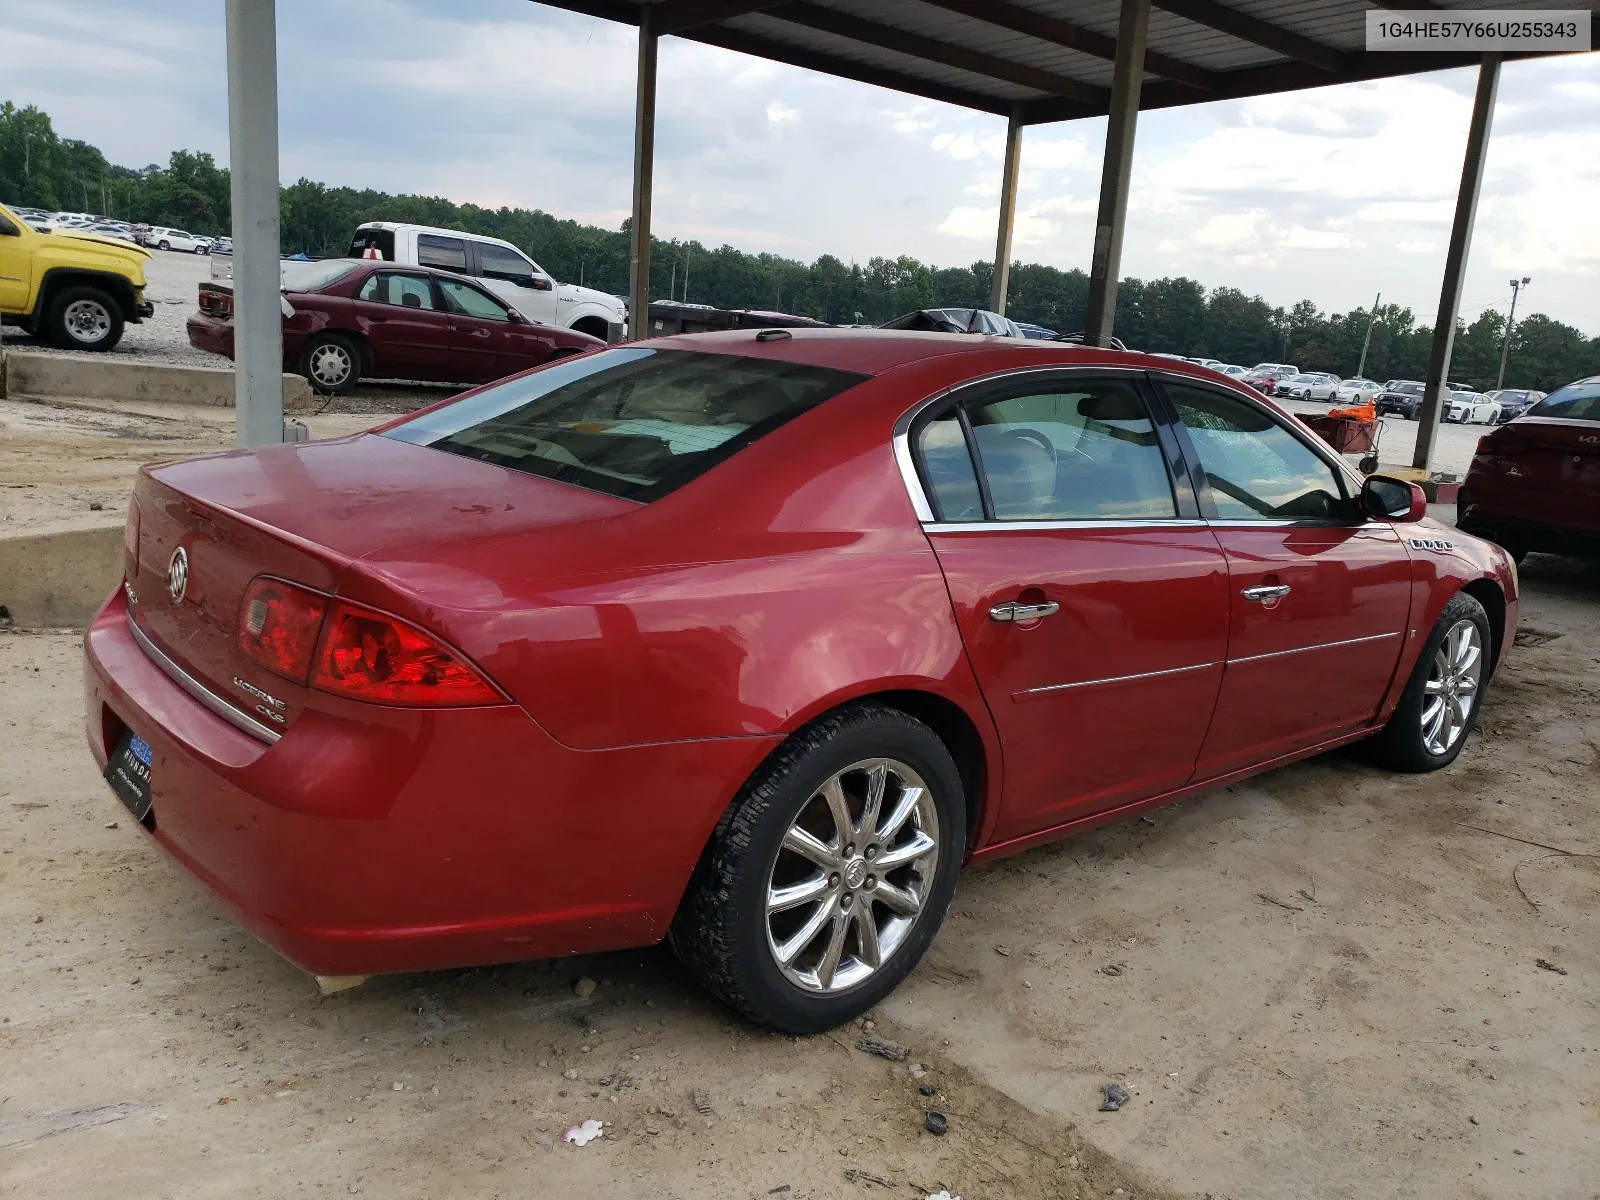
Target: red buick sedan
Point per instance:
(345, 319)
(751, 641)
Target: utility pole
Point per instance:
(686, 274)
(1505, 342)
(1361, 367)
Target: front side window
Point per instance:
(498, 262)
(406, 291)
(446, 253)
(1085, 450)
(632, 422)
(468, 301)
(1255, 468)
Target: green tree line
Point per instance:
(1176, 315)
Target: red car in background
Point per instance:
(1534, 483)
(345, 319)
(751, 640)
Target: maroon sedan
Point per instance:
(751, 640)
(1534, 484)
(345, 319)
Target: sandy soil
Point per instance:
(1323, 983)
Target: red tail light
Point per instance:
(215, 303)
(369, 655)
(278, 626)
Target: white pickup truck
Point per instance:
(501, 268)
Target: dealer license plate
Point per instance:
(128, 773)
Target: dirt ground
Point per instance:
(1322, 983)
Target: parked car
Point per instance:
(1266, 377)
(222, 245)
(729, 636)
(1038, 332)
(1231, 370)
(1514, 402)
(957, 320)
(1471, 408)
(1356, 391)
(346, 318)
(1401, 398)
(162, 238)
(1308, 385)
(1535, 484)
(500, 267)
(1280, 368)
(74, 290)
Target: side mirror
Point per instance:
(515, 317)
(1392, 499)
(536, 283)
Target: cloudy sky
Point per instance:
(1332, 194)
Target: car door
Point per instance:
(16, 266)
(481, 341)
(517, 281)
(1319, 596)
(402, 322)
(1091, 597)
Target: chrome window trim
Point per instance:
(907, 463)
(199, 691)
(1375, 637)
(1112, 523)
(1089, 683)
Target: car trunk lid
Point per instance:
(1549, 455)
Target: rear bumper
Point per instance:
(371, 839)
(212, 334)
(1518, 533)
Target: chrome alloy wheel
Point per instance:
(87, 321)
(852, 875)
(330, 364)
(1452, 687)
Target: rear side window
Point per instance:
(632, 422)
(1575, 402)
(407, 291)
(446, 253)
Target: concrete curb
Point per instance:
(59, 580)
(30, 373)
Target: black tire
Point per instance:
(164, 244)
(1401, 744)
(84, 318)
(322, 355)
(721, 930)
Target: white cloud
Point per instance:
(962, 146)
(1301, 238)
(779, 113)
(1057, 154)
(1415, 247)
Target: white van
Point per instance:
(501, 268)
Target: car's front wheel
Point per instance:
(331, 364)
(1440, 704)
(84, 318)
(829, 875)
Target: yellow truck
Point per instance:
(74, 290)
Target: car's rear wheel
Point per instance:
(331, 363)
(1440, 704)
(84, 318)
(827, 878)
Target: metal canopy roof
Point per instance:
(1051, 60)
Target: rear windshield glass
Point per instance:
(313, 276)
(372, 243)
(633, 422)
(1575, 402)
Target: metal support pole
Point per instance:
(1505, 342)
(1008, 213)
(644, 153)
(1372, 319)
(1127, 78)
(1455, 262)
(253, 169)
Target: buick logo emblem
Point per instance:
(178, 575)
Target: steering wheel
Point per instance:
(1030, 434)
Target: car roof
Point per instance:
(878, 351)
(396, 226)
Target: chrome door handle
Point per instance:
(1012, 611)
(1265, 591)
